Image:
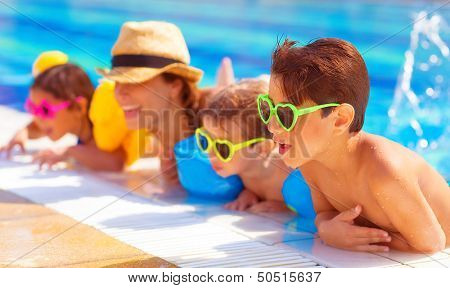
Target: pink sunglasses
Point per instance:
(46, 110)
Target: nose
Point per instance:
(120, 93)
(273, 126)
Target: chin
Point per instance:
(294, 162)
(132, 124)
(55, 137)
(224, 173)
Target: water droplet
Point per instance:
(424, 66)
(429, 91)
(423, 143)
(433, 59)
(439, 79)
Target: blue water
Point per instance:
(246, 31)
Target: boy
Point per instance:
(370, 194)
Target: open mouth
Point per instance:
(131, 111)
(282, 147)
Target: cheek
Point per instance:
(310, 137)
(63, 122)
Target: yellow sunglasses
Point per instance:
(223, 148)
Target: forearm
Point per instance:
(96, 159)
(399, 243)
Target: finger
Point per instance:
(22, 147)
(372, 248)
(350, 215)
(229, 206)
(366, 232)
(242, 206)
(254, 201)
(255, 208)
(9, 149)
(232, 206)
(371, 240)
(225, 73)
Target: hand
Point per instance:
(341, 232)
(268, 206)
(50, 157)
(225, 73)
(17, 141)
(245, 199)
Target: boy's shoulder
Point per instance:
(386, 160)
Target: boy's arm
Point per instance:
(338, 229)
(324, 210)
(400, 197)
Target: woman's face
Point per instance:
(65, 121)
(143, 103)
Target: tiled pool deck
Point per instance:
(125, 222)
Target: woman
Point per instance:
(156, 87)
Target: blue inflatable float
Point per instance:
(297, 195)
(197, 176)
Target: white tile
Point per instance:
(432, 264)
(328, 256)
(409, 258)
(257, 228)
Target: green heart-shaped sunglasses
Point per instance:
(286, 113)
(223, 148)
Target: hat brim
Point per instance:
(142, 74)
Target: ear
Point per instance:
(344, 115)
(82, 103)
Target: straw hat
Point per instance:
(47, 60)
(147, 49)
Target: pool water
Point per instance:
(246, 31)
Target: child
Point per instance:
(370, 194)
(237, 143)
(63, 100)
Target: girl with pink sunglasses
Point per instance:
(62, 101)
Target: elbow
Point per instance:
(432, 244)
(117, 166)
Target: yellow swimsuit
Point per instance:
(109, 126)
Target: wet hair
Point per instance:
(238, 102)
(328, 70)
(65, 82)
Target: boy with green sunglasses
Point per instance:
(369, 193)
(238, 144)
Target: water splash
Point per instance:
(419, 114)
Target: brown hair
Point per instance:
(65, 82)
(190, 97)
(325, 71)
(238, 102)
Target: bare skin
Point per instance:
(73, 120)
(262, 174)
(369, 193)
(158, 103)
